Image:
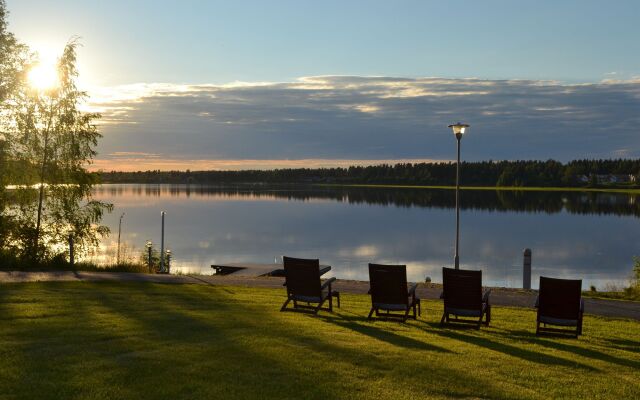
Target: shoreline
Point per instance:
(486, 188)
(506, 297)
(622, 190)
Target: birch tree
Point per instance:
(53, 141)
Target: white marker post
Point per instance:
(162, 245)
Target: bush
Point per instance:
(633, 291)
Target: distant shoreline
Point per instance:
(490, 188)
(395, 186)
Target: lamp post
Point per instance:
(119, 231)
(168, 253)
(149, 246)
(162, 270)
(459, 129)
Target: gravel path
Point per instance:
(499, 296)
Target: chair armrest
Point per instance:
(412, 290)
(485, 296)
(327, 283)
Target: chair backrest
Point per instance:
(462, 289)
(302, 276)
(388, 284)
(559, 298)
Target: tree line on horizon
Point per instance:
(550, 173)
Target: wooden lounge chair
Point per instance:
(389, 292)
(559, 303)
(463, 297)
(302, 279)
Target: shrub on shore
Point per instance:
(10, 262)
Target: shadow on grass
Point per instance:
(362, 326)
(625, 344)
(570, 348)
(134, 343)
(514, 351)
(186, 341)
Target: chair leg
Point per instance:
(319, 307)
(580, 325)
(330, 302)
(419, 308)
(445, 316)
(537, 328)
(338, 297)
(415, 311)
(371, 313)
(406, 314)
(284, 306)
(487, 317)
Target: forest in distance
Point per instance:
(578, 173)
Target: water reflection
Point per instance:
(602, 203)
(572, 234)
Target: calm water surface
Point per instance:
(591, 236)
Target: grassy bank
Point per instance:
(628, 294)
(79, 266)
(115, 340)
(493, 188)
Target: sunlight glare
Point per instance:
(44, 76)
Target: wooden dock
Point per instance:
(255, 269)
(248, 269)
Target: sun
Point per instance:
(44, 76)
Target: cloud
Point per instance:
(366, 118)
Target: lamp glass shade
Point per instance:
(459, 129)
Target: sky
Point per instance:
(257, 84)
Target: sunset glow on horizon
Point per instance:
(157, 162)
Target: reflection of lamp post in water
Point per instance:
(149, 246)
(458, 130)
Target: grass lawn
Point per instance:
(132, 340)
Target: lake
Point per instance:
(585, 235)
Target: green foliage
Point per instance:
(44, 139)
(155, 259)
(629, 293)
(157, 341)
(636, 270)
(12, 57)
(633, 291)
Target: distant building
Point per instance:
(608, 178)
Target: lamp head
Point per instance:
(459, 129)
